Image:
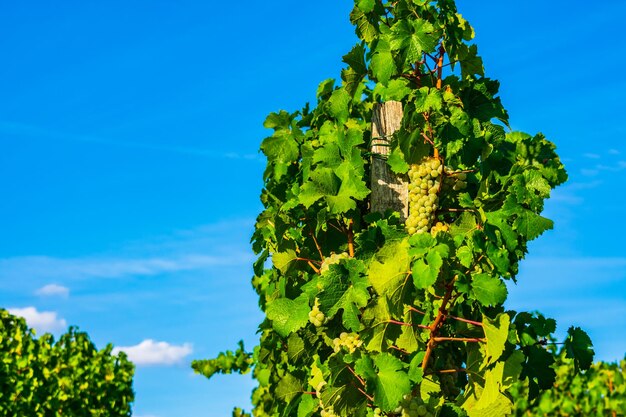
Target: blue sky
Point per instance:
(130, 174)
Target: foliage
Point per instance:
(599, 391)
(69, 377)
(423, 311)
(226, 362)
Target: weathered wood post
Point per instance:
(389, 190)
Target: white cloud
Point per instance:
(44, 267)
(42, 321)
(150, 352)
(591, 155)
(569, 193)
(53, 290)
(616, 168)
(29, 131)
(589, 172)
(613, 152)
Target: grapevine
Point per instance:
(42, 377)
(393, 313)
(598, 392)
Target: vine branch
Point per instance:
(434, 327)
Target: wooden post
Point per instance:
(389, 190)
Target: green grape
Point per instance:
(316, 317)
(350, 341)
(333, 259)
(424, 188)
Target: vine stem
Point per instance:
(399, 349)
(458, 339)
(316, 269)
(401, 323)
(456, 210)
(355, 375)
(369, 397)
(434, 327)
(475, 323)
(310, 262)
(442, 52)
(451, 371)
(461, 171)
(317, 245)
(351, 238)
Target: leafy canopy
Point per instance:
(69, 377)
(424, 312)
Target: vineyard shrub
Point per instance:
(70, 377)
(400, 312)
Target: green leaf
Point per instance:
(382, 64)
(287, 315)
(288, 388)
(538, 368)
(339, 104)
(391, 382)
(471, 63)
(426, 271)
(364, 28)
(416, 372)
(283, 260)
(412, 145)
(281, 120)
(323, 183)
(389, 269)
(280, 147)
(488, 290)
(412, 38)
(356, 58)
(500, 219)
(496, 333)
(345, 288)
(489, 401)
(464, 225)
(531, 225)
(578, 346)
(381, 332)
(512, 369)
(366, 6)
(397, 163)
(428, 99)
(295, 347)
(364, 367)
(465, 255)
(307, 406)
(396, 90)
(325, 87)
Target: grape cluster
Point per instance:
(439, 227)
(316, 316)
(415, 407)
(424, 184)
(333, 259)
(329, 412)
(378, 412)
(350, 341)
(456, 181)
